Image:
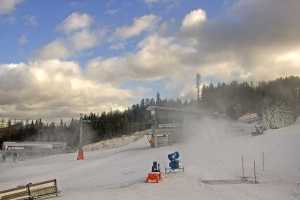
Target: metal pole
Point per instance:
(254, 173)
(198, 78)
(80, 133)
(263, 161)
(243, 169)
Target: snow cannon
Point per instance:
(155, 175)
(175, 164)
(174, 160)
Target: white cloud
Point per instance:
(76, 21)
(8, 6)
(194, 19)
(56, 89)
(140, 25)
(74, 43)
(54, 50)
(85, 39)
(79, 36)
(261, 45)
(292, 57)
(156, 58)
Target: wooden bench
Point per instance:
(31, 191)
(15, 193)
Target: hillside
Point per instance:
(211, 151)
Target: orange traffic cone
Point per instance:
(80, 155)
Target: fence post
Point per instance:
(254, 173)
(243, 169)
(56, 190)
(28, 190)
(263, 161)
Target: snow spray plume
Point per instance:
(88, 134)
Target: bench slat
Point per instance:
(22, 194)
(44, 191)
(31, 191)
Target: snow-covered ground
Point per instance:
(211, 150)
(115, 142)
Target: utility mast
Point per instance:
(198, 79)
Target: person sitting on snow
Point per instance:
(155, 167)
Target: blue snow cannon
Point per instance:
(174, 160)
(174, 164)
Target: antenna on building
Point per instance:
(198, 79)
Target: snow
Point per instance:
(212, 150)
(115, 142)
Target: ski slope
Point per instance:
(211, 150)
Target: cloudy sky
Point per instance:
(60, 58)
